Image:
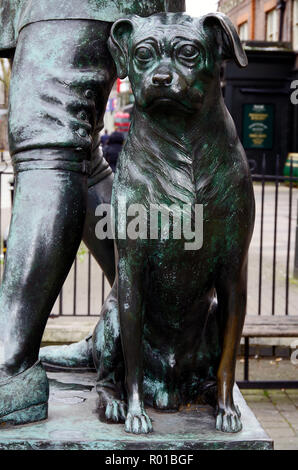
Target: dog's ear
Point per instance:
(118, 44)
(228, 39)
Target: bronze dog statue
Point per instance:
(181, 311)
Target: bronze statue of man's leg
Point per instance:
(79, 355)
(59, 88)
(102, 250)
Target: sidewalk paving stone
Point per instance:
(286, 443)
(277, 412)
(275, 433)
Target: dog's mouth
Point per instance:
(163, 103)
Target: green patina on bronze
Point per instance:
(73, 425)
(181, 312)
(24, 398)
(15, 14)
(61, 78)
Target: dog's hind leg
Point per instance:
(231, 291)
(108, 359)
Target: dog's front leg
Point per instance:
(131, 308)
(231, 291)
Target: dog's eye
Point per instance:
(143, 53)
(188, 52)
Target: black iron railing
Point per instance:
(86, 287)
(277, 279)
(291, 184)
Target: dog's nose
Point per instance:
(162, 79)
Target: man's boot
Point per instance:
(45, 233)
(24, 396)
(76, 356)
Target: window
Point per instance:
(295, 26)
(272, 25)
(243, 31)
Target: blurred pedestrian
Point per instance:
(113, 148)
(104, 139)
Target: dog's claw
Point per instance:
(228, 420)
(122, 409)
(138, 424)
(115, 411)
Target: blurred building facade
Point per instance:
(120, 103)
(260, 96)
(270, 20)
(4, 89)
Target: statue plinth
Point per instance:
(73, 424)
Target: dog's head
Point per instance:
(171, 59)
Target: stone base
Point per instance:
(73, 424)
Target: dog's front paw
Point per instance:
(138, 423)
(228, 419)
(115, 411)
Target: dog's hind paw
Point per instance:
(115, 411)
(138, 423)
(163, 400)
(228, 420)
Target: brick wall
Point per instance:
(255, 13)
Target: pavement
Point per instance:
(65, 330)
(277, 411)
